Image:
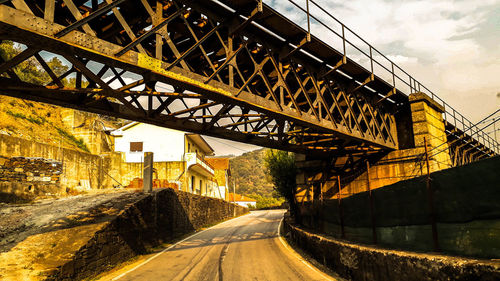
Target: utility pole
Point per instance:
(341, 211)
(372, 215)
(147, 182)
(430, 198)
(234, 195)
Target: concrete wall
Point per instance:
(77, 165)
(159, 217)
(90, 128)
(171, 171)
(466, 200)
(427, 120)
(95, 171)
(355, 262)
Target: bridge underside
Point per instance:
(244, 73)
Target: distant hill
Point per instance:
(250, 174)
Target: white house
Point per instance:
(241, 200)
(179, 157)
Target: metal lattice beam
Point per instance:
(205, 70)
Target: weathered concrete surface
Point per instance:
(105, 170)
(355, 262)
(89, 243)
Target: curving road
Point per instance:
(245, 248)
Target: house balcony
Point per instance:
(196, 163)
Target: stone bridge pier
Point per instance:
(318, 179)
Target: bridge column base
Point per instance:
(317, 178)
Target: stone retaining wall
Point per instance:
(77, 166)
(159, 217)
(24, 178)
(30, 169)
(355, 262)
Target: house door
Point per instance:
(192, 184)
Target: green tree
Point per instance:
(30, 70)
(282, 170)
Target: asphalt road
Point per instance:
(245, 248)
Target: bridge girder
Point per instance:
(223, 80)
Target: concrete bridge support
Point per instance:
(317, 178)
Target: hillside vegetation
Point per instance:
(32, 120)
(38, 122)
(252, 178)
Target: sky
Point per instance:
(450, 46)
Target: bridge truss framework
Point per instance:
(244, 73)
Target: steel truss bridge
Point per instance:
(237, 70)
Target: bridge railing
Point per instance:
(352, 46)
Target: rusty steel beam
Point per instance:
(227, 77)
(249, 95)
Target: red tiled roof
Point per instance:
(238, 198)
(218, 163)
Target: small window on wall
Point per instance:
(189, 147)
(136, 146)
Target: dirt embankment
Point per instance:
(21, 221)
(35, 239)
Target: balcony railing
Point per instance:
(193, 158)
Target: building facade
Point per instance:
(222, 175)
(179, 157)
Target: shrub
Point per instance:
(80, 143)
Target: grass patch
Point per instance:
(16, 115)
(35, 120)
(32, 119)
(80, 143)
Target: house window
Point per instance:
(136, 146)
(189, 147)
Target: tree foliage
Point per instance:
(249, 172)
(44, 123)
(266, 202)
(30, 70)
(282, 170)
